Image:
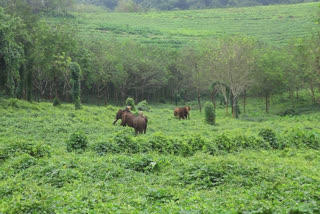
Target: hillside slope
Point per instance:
(276, 24)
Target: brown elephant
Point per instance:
(140, 124)
(120, 113)
(182, 112)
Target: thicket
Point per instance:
(124, 142)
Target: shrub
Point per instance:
(130, 102)
(105, 147)
(209, 113)
(143, 163)
(56, 102)
(143, 106)
(160, 143)
(180, 147)
(78, 141)
(13, 102)
(269, 136)
(195, 142)
(126, 142)
(10, 148)
(202, 176)
(21, 162)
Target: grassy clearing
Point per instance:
(276, 24)
(182, 166)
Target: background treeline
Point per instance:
(35, 58)
(142, 5)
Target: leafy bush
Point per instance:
(78, 141)
(143, 106)
(130, 102)
(13, 102)
(57, 174)
(142, 163)
(11, 147)
(202, 176)
(270, 136)
(160, 143)
(56, 102)
(22, 162)
(181, 147)
(209, 112)
(126, 143)
(300, 138)
(109, 146)
(195, 141)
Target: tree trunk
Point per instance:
(267, 102)
(199, 102)
(105, 95)
(227, 111)
(244, 100)
(98, 95)
(297, 92)
(312, 93)
(233, 107)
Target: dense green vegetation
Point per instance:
(35, 56)
(252, 148)
(56, 159)
(276, 25)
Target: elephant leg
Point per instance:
(145, 129)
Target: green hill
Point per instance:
(275, 24)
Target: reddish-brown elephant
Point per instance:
(182, 112)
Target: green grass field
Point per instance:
(184, 166)
(276, 24)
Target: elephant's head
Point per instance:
(118, 116)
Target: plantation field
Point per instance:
(259, 163)
(276, 24)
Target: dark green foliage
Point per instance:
(78, 142)
(75, 76)
(130, 102)
(11, 147)
(160, 143)
(56, 101)
(142, 163)
(125, 142)
(160, 195)
(209, 113)
(270, 136)
(143, 106)
(288, 112)
(13, 102)
(105, 147)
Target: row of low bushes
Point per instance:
(124, 142)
